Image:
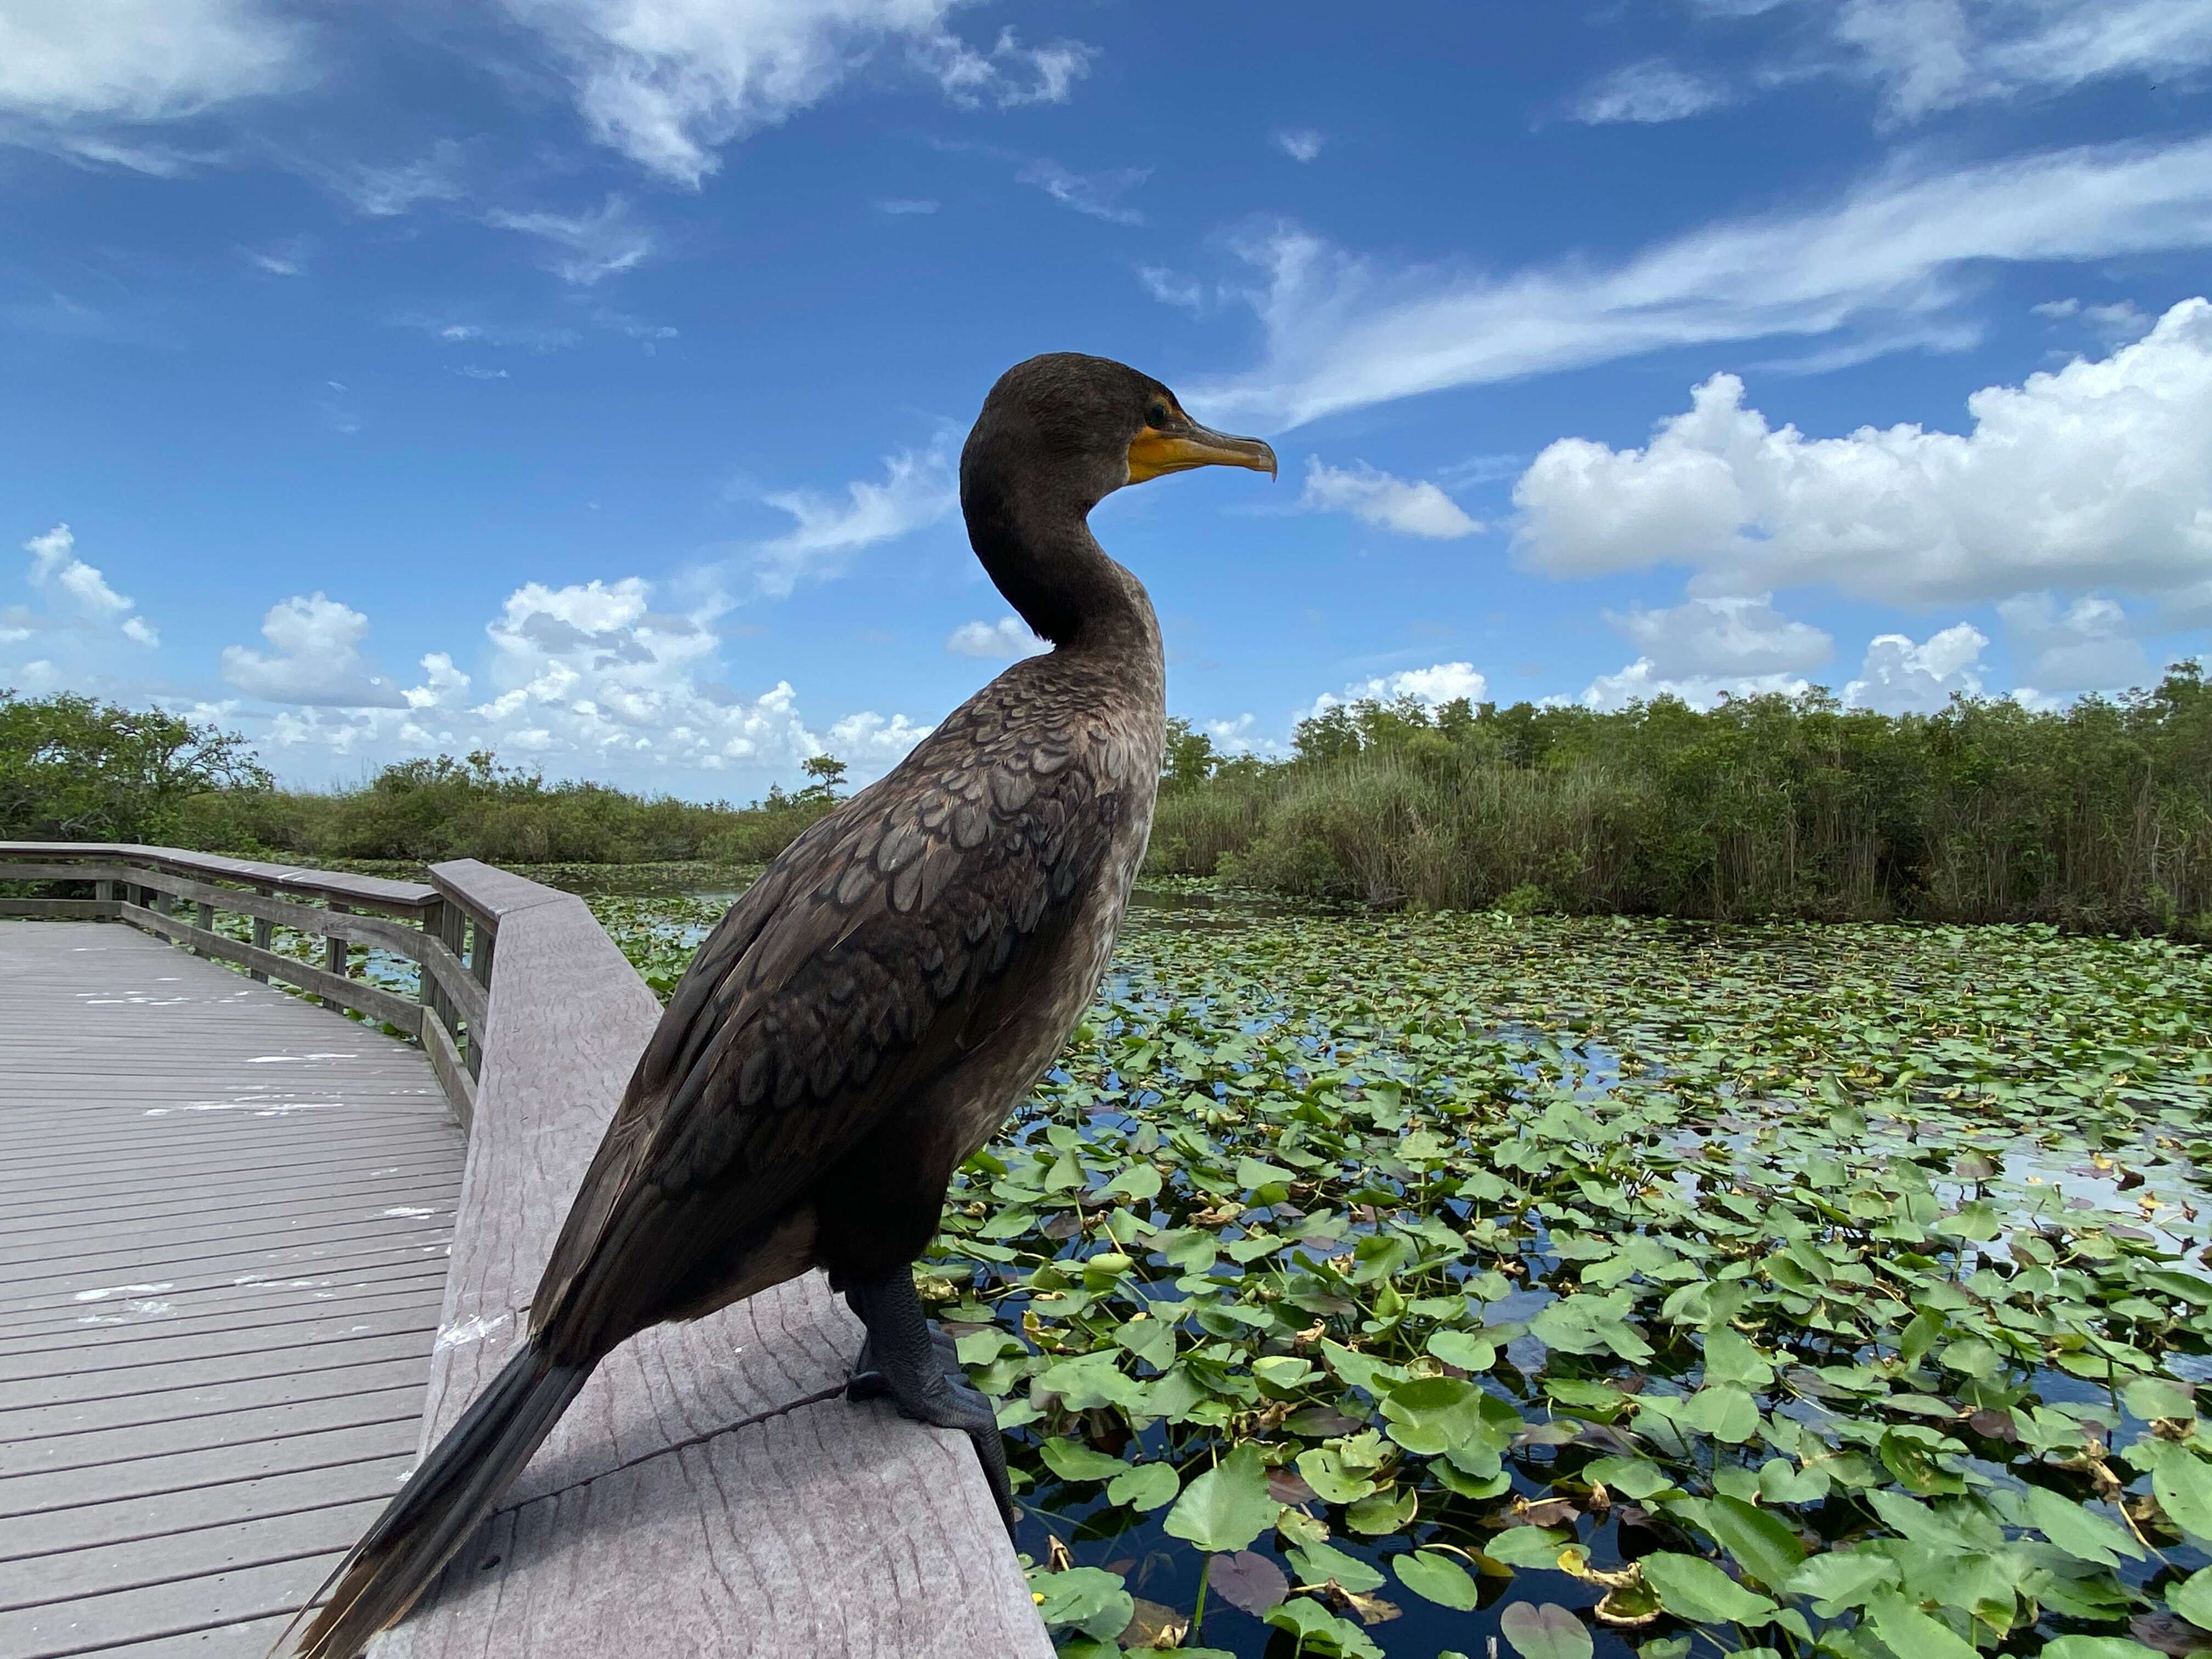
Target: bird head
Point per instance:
(1081, 428)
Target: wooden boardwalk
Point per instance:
(255, 1257)
(225, 1220)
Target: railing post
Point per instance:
(207, 923)
(334, 953)
(426, 990)
(264, 933)
(479, 942)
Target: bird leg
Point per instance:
(866, 1382)
(904, 1358)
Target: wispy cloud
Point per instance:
(85, 82)
(1925, 56)
(668, 82)
(1921, 57)
(1169, 289)
(451, 331)
(285, 259)
(1299, 144)
(1009, 75)
(1098, 194)
(905, 206)
(1653, 90)
(588, 247)
(387, 190)
(1343, 331)
(917, 489)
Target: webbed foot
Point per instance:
(915, 1365)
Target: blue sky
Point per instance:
(582, 378)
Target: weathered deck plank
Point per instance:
(225, 1214)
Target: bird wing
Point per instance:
(841, 980)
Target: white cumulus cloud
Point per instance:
(2088, 647)
(1643, 680)
(1901, 678)
(1435, 685)
(2097, 473)
(1007, 638)
(56, 570)
(1734, 636)
(595, 677)
(1300, 144)
(1373, 496)
(314, 658)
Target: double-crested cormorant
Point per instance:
(866, 1015)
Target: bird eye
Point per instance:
(1157, 414)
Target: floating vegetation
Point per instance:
(1364, 1287)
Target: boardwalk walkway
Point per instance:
(225, 1216)
(256, 1257)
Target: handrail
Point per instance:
(147, 887)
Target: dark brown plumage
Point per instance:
(866, 1015)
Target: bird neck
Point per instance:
(1061, 582)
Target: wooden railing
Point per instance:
(181, 896)
(711, 1478)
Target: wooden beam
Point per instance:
(396, 1012)
(452, 1077)
(443, 963)
(46, 909)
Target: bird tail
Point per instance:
(442, 1503)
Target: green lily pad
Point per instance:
(1690, 1587)
(1544, 1630)
(1437, 1577)
(1224, 1509)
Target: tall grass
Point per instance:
(2098, 816)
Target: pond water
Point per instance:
(1766, 1288)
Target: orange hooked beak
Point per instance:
(1183, 444)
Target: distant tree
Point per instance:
(74, 768)
(1456, 719)
(826, 774)
(1527, 740)
(1327, 736)
(1189, 759)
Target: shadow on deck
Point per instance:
(256, 1254)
